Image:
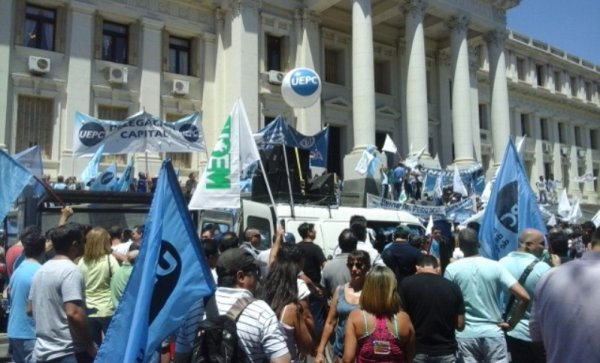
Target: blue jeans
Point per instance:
(426, 358)
(317, 309)
(80, 357)
(482, 350)
(21, 348)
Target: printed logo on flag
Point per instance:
(218, 169)
(167, 275)
(507, 206)
(91, 133)
(190, 132)
(307, 142)
(107, 177)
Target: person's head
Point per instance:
(379, 294)
(541, 177)
(115, 232)
(347, 241)
(358, 219)
(206, 234)
(558, 242)
(595, 242)
(126, 236)
(280, 288)
(253, 236)
(419, 242)
(468, 242)
(67, 239)
(436, 233)
(532, 241)
(60, 179)
(428, 264)
(97, 244)
(34, 242)
(359, 230)
(137, 234)
(401, 233)
(587, 230)
(192, 176)
(211, 251)
(307, 231)
(474, 226)
(358, 263)
(238, 269)
(229, 240)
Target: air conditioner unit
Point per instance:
(276, 77)
(117, 75)
(581, 153)
(181, 87)
(564, 150)
(39, 65)
(546, 148)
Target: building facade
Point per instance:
(445, 74)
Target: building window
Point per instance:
(577, 132)
(541, 75)
(334, 66)
(544, 127)
(521, 74)
(40, 27)
(573, 82)
(268, 120)
(274, 53)
(35, 122)
(483, 124)
(114, 114)
(179, 160)
(179, 55)
(525, 124)
(382, 77)
(557, 81)
(115, 39)
(561, 133)
(588, 91)
(594, 139)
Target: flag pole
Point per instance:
(262, 170)
(50, 191)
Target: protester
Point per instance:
(398, 179)
(564, 316)
(525, 265)
(400, 256)
(229, 240)
(481, 281)
(98, 266)
(211, 251)
(121, 276)
(379, 331)
(57, 302)
(280, 290)
(190, 185)
(358, 225)
(436, 308)
(542, 190)
(335, 272)
(345, 299)
(60, 183)
(21, 329)
(251, 242)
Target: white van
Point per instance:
(328, 221)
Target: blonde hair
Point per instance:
(97, 244)
(379, 296)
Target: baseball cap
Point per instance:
(234, 260)
(402, 231)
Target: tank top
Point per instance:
(380, 345)
(289, 336)
(343, 309)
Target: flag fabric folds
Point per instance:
(389, 145)
(91, 170)
(13, 179)
(457, 184)
(105, 181)
(31, 159)
(575, 213)
(511, 208)
(169, 275)
(126, 178)
(219, 186)
(564, 207)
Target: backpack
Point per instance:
(217, 340)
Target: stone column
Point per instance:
(7, 18)
(538, 168)
(574, 188)
(416, 82)
(444, 64)
(308, 55)
(588, 188)
(500, 120)
(556, 155)
(78, 91)
(462, 130)
(474, 99)
(363, 76)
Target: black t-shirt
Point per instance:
(402, 259)
(313, 259)
(432, 302)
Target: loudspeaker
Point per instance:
(324, 184)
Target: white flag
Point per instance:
(429, 228)
(575, 212)
(436, 162)
(564, 207)
(362, 166)
(552, 221)
(389, 145)
(235, 149)
(596, 219)
(457, 185)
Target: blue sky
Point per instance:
(570, 25)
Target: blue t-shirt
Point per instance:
(398, 174)
(20, 326)
(481, 281)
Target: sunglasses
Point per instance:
(358, 265)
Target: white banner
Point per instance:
(139, 133)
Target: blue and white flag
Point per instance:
(91, 170)
(105, 181)
(457, 184)
(139, 133)
(512, 207)
(169, 275)
(31, 159)
(126, 179)
(13, 179)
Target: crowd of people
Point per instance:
(406, 300)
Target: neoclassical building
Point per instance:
(442, 74)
